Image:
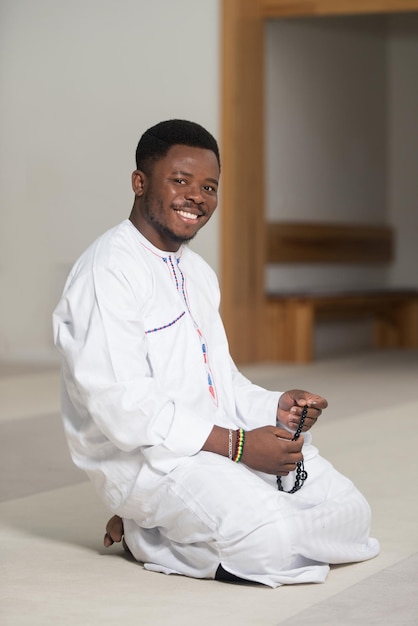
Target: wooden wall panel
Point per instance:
(301, 242)
(247, 323)
(242, 176)
(298, 8)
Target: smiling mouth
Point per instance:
(186, 214)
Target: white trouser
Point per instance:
(211, 511)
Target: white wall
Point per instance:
(80, 80)
(342, 144)
(326, 141)
(403, 146)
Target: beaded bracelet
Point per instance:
(230, 444)
(239, 448)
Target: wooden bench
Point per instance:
(291, 315)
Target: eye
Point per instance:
(180, 181)
(210, 189)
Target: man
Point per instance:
(176, 441)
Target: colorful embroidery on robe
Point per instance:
(203, 344)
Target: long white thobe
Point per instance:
(146, 375)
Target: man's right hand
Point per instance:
(271, 450)
(268, 449)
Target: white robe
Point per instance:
(146, 375)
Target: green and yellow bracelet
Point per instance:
(239, 448)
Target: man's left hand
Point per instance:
(291, 405)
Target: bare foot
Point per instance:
(114, 531)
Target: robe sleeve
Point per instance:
(99, 331)
(255, 406)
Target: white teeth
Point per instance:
(189, 216)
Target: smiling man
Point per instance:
(178, 198)
(206, 472)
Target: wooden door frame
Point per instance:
(242, 146)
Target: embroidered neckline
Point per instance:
(150, 246)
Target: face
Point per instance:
(177, 197)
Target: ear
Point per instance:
(139, 180)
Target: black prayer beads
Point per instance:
(301, 473)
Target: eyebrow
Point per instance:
(181, 173)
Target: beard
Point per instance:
(162, 228)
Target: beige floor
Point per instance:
(55, 571)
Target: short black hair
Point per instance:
(157, 140)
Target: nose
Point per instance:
(194, 193)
